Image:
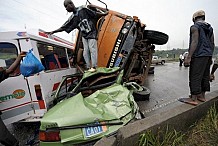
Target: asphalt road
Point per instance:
(168, 83)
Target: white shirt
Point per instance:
(181, 56)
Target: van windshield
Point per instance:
(8, 54)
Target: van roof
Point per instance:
(36, 35)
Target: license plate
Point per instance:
(92, 131)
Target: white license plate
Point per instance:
(92, 131)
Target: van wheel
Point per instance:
(142, 95)
(156, 37)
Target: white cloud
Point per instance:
(169, 16)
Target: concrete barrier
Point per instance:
(178, 116)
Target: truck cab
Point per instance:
(124, 42)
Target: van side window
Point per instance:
(52, 56)
(8, 54)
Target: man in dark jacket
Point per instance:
(199, 58)
(6, 138)
(85, 20)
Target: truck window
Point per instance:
(52, 56)
(8, 54)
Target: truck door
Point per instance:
(15, 98)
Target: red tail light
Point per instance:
(49, 136)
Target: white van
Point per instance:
(27, 99)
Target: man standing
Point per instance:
(199, 58)
(180, 59)
(6, 138)
(85, 19)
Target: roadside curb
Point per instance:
(180, 116)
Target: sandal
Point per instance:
(188, 101)
(202, 99)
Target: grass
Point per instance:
(167, 138)
(5, 56)
(202, 133)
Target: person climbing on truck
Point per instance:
(85, 20)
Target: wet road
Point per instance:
(167, 84)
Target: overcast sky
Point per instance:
(173, 17)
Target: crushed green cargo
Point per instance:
(87, 117)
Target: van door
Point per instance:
(15, 98)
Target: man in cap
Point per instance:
(85, 20)
(199, 58)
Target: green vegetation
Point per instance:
(175, 53)
(202, 133)
(205, 132)
(5, 56)
(167, 138)
(171, 53)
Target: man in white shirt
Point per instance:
(181, 58)
(215, 66)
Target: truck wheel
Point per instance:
(142, 95)
(151, 70)
(156, 37)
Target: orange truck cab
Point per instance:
(124, 42)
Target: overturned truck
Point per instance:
(123, 42)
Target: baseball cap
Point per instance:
(197, 14)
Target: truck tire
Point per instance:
(151, 70)
(142, 95)
(156, 37)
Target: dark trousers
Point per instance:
(6, 138)
(180, 62)
(199, 73)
